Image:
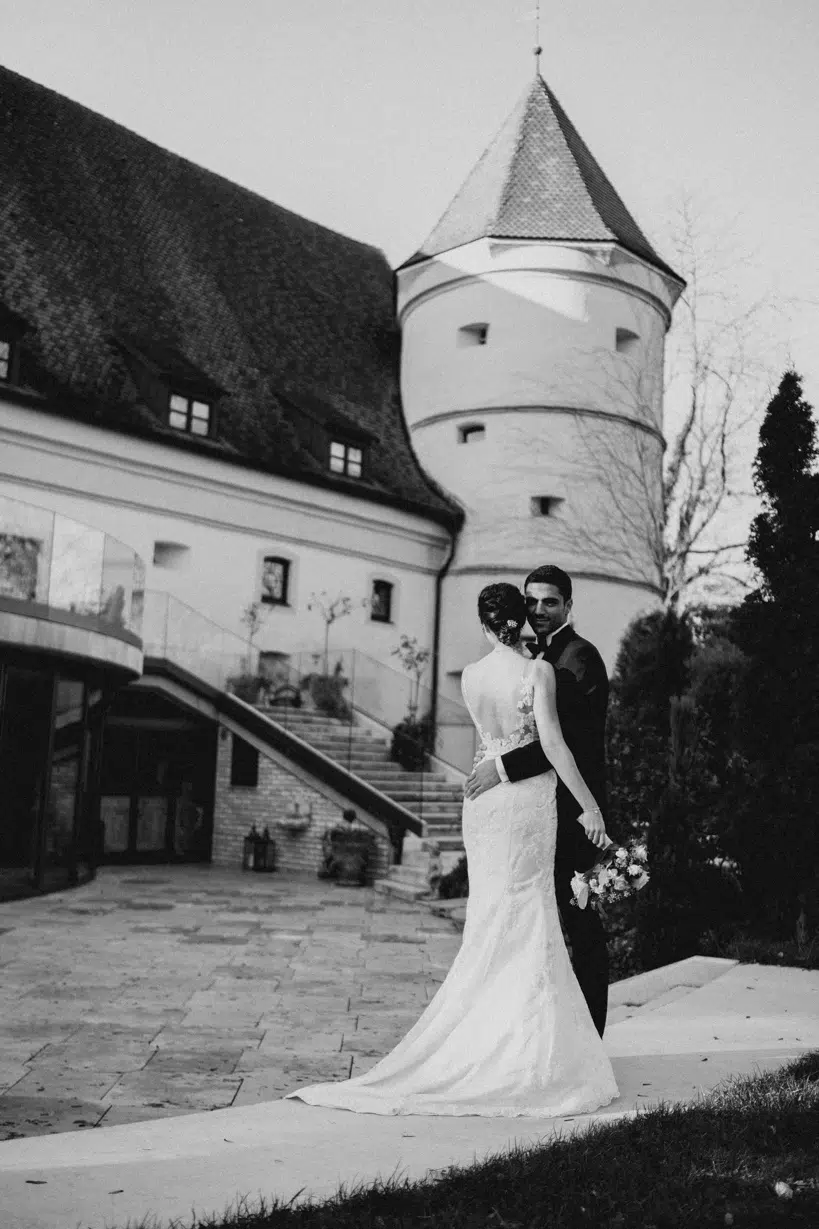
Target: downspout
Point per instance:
(436, 631)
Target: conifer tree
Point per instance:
(776, 831)
(783, 541)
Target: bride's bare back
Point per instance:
(494, 689)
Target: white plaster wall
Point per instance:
(229, 518)
(565, 415)
(604, 473)
(552, 314)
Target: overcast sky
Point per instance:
(367, 114)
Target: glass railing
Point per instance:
(51, 560)
(348, 686)
(348, 683)
(181, 635)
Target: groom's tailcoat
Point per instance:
(582, 699)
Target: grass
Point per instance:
(713, 1163)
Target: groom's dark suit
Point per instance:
(582, 699)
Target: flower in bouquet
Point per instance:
(620, 873)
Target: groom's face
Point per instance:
(546, 609)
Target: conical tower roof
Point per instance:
(538, 180)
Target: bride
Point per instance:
(508, 1032)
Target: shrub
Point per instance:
(455, 884)
(327, 693)
(412, 742)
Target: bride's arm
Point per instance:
(554, 748)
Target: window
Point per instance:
(625, 341)
(172, 555)
(473, 335)
(381, 602)
(346, 459)
(544, 505)
(471, 434)
(188, 414)
(5, 359)
(275, 580)
(244, 764)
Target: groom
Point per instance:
(582, 699)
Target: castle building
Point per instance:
(209, 403)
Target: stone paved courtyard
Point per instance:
(160, 991)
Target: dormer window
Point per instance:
(189, 414)
(12, 329)
(346, 459)
(473, 335)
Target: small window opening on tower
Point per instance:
(473, 335)
(471, 433)
(625, 341)
(544, 505)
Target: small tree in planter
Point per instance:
(347, 852)
(326, 688)
(330, 610)
(249, 684)
(413, 740)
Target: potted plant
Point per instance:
(346, 852)
(327, 692)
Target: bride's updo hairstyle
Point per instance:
(502, 608)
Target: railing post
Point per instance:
(165, 637)
(352, 709)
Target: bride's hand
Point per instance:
(594, 828)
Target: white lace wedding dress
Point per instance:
(508, 1033)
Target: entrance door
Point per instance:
(25, 738)
(156, 794)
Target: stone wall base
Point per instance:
(238, 807)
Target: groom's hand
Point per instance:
(484, 777)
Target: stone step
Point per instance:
(413, 872)
(311, 721)
(380, 782)
(447, 843)
(311, 731)
(344, 753)
(450, 836)
(394, 772)
(359, 746)
(395, 887)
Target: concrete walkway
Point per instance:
(673, 1033)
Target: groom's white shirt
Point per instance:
(499, 760)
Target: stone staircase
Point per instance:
(435, 799)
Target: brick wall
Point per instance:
(236, 807)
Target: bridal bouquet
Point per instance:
(621, 872)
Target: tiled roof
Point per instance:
(538, 180)
(106, 238)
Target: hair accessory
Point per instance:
(511, 622)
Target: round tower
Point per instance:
(533, 327)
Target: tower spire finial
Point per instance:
(538, 49)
